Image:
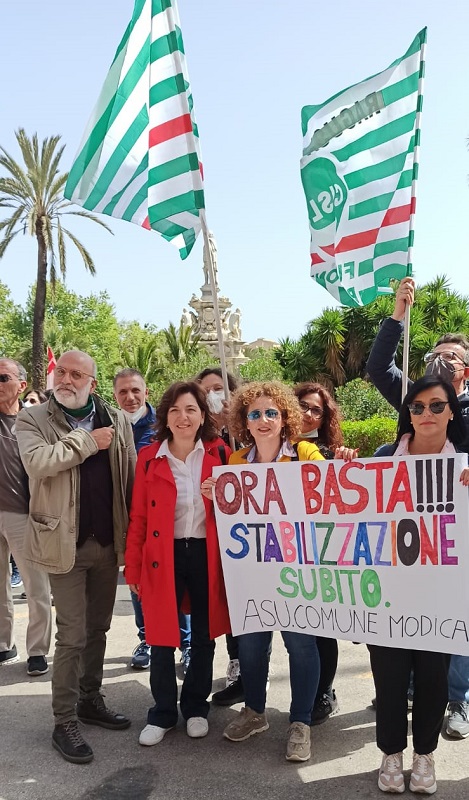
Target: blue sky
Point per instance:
(252, 68)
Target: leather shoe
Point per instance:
(95, 712)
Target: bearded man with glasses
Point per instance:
(14, 506)
(80, 457)
(449, 360)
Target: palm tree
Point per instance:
(34, 192)
(181, 343)
(146, 358)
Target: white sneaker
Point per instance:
(232, 671)
(391, 776)
(197, 727)
(422, 777)
(152, 734)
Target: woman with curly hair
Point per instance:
(321, 418)
(321, 424)
(267, 415)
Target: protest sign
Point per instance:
(374, 550)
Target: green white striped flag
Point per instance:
(139, 159)
(359, 167)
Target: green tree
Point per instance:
(262, 366)
(359, 400)
(180, 342)
(33, 190)
(335, 346)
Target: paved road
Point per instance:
(343, 764)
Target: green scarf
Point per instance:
(79, 413)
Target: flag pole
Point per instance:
(213, 287)
(406, 343)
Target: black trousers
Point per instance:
(191, 573)
(391, 667)
(328, 655)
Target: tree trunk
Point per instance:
(39, 376)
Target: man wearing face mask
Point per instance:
(79, 455)
(450, 360)
(131, 394)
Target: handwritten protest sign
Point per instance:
(375, 550)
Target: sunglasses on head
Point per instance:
(269, 413)
(4, 378)
(436, 407)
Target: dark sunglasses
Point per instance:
(269, 413)
(436, 407)
(4, 378)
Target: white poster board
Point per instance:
(375, 550)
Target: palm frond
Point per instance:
(6, 241)
(89, 215)
(87, 260)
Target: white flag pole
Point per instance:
(213, 287)
(406, 343)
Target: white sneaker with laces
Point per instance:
(391, 776)
(153, 734)
(422, 777)
(197, 727)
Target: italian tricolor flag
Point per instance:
(139, 158)
(359, 169)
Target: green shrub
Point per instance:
(369, 434)
(361, 400)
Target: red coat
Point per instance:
(149, 554)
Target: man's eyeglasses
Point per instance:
(5, 377)
(446, 355)
(75, 374)
(269, 413)
(315, 411)
(436, 407)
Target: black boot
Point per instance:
(67, 739)
(95, 712)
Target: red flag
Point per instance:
(51, 364)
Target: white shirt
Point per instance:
(189, 514)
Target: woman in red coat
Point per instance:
(172, 551)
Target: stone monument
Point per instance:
(202, 319)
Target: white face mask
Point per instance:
(310, 434)
(134, 416)
(215, 401)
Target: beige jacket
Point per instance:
(52, 453)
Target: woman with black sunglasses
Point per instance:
(267, 415)
(430, 422)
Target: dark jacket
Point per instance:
(386, 375)
(143, 429)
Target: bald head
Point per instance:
(88, 363)
(74, 379)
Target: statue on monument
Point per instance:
(186, 319)
(213, 250)
(234, 324)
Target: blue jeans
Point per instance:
(304, 671)
(458, 679)
(184, 623)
